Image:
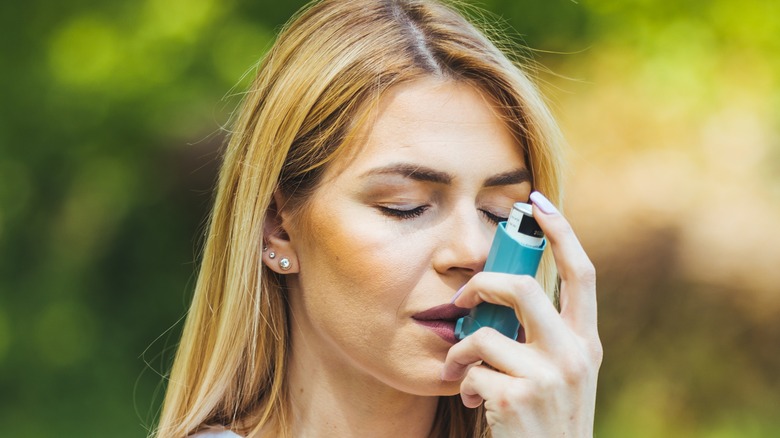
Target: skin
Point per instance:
(396, 230)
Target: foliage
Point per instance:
(110, 129)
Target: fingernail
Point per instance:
(543, 203)
(457, 294)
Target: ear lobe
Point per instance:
(280, 255)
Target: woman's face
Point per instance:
(397, 229)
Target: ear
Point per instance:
(278, 252)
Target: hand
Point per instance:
(545, 387)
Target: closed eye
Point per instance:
(495, 219)
(403, 213)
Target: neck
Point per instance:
(332, 399)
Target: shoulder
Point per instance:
(214, 432)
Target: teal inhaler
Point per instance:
(517, 249)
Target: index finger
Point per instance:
(533, 308)
(578, 276)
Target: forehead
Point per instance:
(437, 123)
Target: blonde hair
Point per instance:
(314, 88)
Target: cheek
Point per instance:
(362, 267)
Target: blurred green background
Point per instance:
(110, 125)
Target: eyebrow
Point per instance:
(422, 173)
(516, 176)
(412, 171)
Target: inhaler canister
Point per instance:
(517, 249)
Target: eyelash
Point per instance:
(492, 217)
(404, 214)
(418, 211)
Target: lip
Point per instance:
(441, 320)
(445, 312)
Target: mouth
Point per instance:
(441, 320)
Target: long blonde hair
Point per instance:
(315, 87)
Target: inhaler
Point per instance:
(517, 249)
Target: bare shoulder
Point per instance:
(215, 433)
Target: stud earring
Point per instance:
(271, 255)
(265, 247)
(285, 264)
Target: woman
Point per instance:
(379, 146)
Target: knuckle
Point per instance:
(548, 382)
(501, 286)
(479, 279)
(561, 227)
(483, 337)
(597, 352)
(580, 365)
(513, 395)
(576, 369)
(585, 272)
(527, 282)
(525, 286)
(467, 382)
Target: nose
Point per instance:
(465, 242)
